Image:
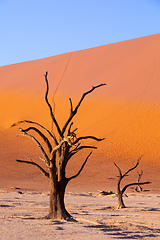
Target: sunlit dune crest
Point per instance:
(126, 112)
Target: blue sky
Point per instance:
(34, 29)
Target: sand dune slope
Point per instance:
(126, 111)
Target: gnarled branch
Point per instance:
(73, 112)
(28, 121)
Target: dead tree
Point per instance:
(138, 187)
(60, 150)
(120, 192)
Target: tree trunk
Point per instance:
(57, 208)
(58, 183)
(120, 201)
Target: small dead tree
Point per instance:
(60, 150)
(120, 192)
(138, 187)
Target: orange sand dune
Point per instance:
(126, 111)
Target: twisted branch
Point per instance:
(88, 137)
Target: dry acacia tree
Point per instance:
(120, 192)
(138, 187)
(61, 148)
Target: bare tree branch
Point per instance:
(132, 184)
(69, 129)
(76, 150)
(28, 121)
(87, 137)
(83, 147)
(71, 105)
(41, 134)
(131, 169)
(50, 108)
(76, 175)
(120, 172)
(75, 147)
(73, 132)
(39, 145)
(73, 112)
(35, 164)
